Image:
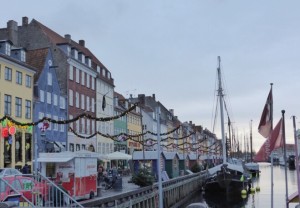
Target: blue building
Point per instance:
(48, 102)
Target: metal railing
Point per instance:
(35, 190)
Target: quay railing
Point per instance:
(175, 192)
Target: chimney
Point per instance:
(82, 43)
(68, 37)
(12, 27)
(24, 21)
(172, 111)
(153, 96)
(141, 98)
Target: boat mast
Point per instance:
(251, 151)
(220, 94)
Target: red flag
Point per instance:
(275, 141)
(276, 138)
(265, 124)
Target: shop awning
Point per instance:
(54, 159)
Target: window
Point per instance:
(93, 83)
(7, 49)
(62, 102)
(87, 80)
(88, 107)
(82, 101)
(28, 109)
(42, 96)
(18, 107)
(71, 97)
(93, 105)
(7, 103)
(93, 126)
(23, 56)
(55, 99)
(72, 123)
(19, 77)
(82, 78)
(49, 116)
(77, 147)
(103, 72)
(28, 81)
(83, 146)
(71, 74)
(77, 99)
(48, 97)
(7, 73)
(71, 147)
(83, 125)
(77, 75)
(62, 126)
(49, 78)
(55, 125)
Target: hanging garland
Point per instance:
(83, 115)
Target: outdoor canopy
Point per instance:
(118, 156)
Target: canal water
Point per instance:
(259, 199)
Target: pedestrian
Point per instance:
(25, 169)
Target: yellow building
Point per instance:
(134, 127)
(16, 101)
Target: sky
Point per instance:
(170, 47)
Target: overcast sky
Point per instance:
(169, 48)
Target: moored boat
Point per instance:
(227, 177)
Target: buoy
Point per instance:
(257, 188)
(252, 190)
(244, 196)
(243, 192)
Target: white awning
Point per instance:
(54, 159)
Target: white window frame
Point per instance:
(71, 100)
(88, 107)
(88, 80)
(62, 126)
(82, 77)
(50, 124)
(72, 123)
(55, 125)
(62, 102)
(49, 78)
(93, 83)
(77, 75)
(77, 99)
(71, 72)
(42, 95)
(82, 102)
(93, 105)
(49, 97)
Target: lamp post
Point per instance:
(158, 158)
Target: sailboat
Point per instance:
(252, 166)
(228, 177)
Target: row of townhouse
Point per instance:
(44, 74)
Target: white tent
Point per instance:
(118, 156)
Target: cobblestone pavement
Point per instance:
(126, 187)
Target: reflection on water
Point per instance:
(260, 198)
(231, 201)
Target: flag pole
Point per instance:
(297, 159)
(284, 151)
(268, 144)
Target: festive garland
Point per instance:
(83, 115)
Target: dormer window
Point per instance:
(74, 53)
(88, 61)
(81, 57)
(23, 56)
(103, 72)
(7, 48)
(108, 75)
